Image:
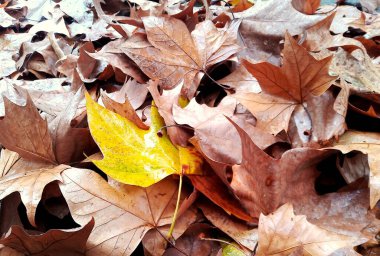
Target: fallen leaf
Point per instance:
(318, 37)
(357, 69)
(368, 143)
(70, 142)
(145, 157)
(285, 88)
(265, 24)
(10, 45)
(263, 183)
(165, 103)
(241, 81)
(56, 242)
(131, 212)
(241, 5)
(30, 183)
(214, 189)
(191, 243)
(171, 57)
(191, 116)
(240, 232)
(25, 132)
(283, 233)
(307, 7)
(7, 160)
(125, 110)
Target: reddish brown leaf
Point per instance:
(306, 6)
(285, 88)
(263, 183)
(53, 242)
(25, 132)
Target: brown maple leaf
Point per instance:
(53, 242)
(122, 216)
(283, 233)
(25, 132)
(285, 88)
(306, 6)
(171, 57)
(263, 183)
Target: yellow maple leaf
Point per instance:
(135, 156)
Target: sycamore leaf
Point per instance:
(300, 77)
(30, 184)
(264, 26)
(319, 37)
(122, 216)
(283, 233)
(240, 232)
(24, 131)
(306, 6)
(368, 143)
(263, 183)
(172, 57)
(53, 242)
(135, 156)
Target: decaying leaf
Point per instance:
(25, 132)
(285, 88)
(306, 7)
(263, 183)
(30, 184)
(130, 212)
(368, 143)
(171, 57)
(56, 242)
(283, 233)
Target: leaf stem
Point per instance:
(170, 233)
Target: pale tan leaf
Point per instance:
(283, 233)
(122, 216)
(368, 143)
(30, 184)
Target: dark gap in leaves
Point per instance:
(138, 251)
(39, 36)
(357, 121)
(210, 93)
(277, 149)
(68, 20)
(52, 211)
(101, 42)
(21, 209)
(354, 32)
(330, 180)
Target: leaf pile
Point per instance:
(189, 128)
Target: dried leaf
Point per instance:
(263, 183)
(283, 233)
(122, 217)
(25, 132)
(265, 24)
(53, 242)
(368, 143)
(30, 184)
(285, 88)
(172, 57)
(306, 6)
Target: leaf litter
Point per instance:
(189, 128)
